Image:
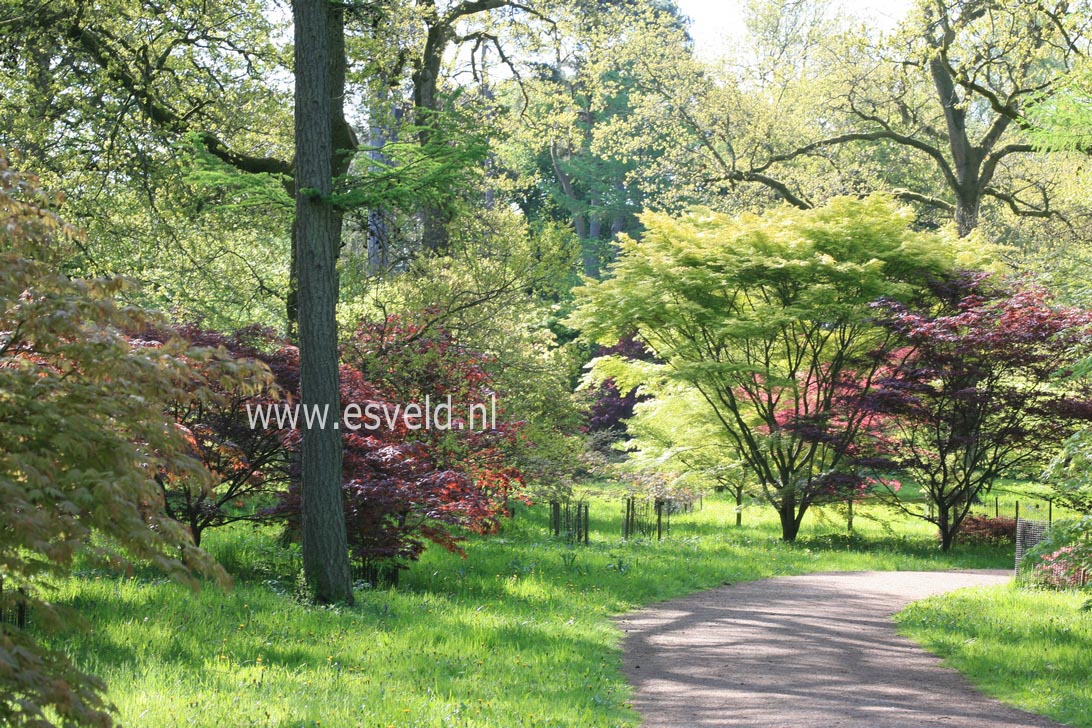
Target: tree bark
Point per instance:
(319, 38)
(946, 527)
(790, 519)
(966, 210)
(434, 235)
(381, 134)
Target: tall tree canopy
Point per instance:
(933, 113)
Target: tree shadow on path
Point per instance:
(803, 651)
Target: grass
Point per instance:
(517, 634)
(1031, 649)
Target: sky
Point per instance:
(715, 23)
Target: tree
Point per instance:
(112, 100)
(246, 460)
(933, 114)
(610, 408)
(974, 393)
(320, 87)
(446, 25)
(557, 113)
(674, 431)
(83, 433)
(405, 484)
(768, 319)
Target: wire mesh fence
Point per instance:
(1028, 535)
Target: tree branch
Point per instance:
(877, 135)
(989, 167)
(929, 200)
(1020, 208)
(774, 184)
(162, 114)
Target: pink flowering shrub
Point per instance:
(1066, 568)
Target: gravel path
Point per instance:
(816, 651)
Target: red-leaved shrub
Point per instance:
(986, 530)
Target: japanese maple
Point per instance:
(83, 431)
(977, 393)
(233, 373)
(403, 487)
(767, 318)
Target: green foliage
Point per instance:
(105, 99)
(1062, 121)
(82, 435)
(1070, 473)
(440, 157)
(495, 291)
(767, 317)
(675, 433)
(226, 187)
(1026, 648)
(517, 633)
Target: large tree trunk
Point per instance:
(966, 157)
(319, 43)
(966, 211)
(434, 235)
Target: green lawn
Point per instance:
(1032, 649)
(517, 634)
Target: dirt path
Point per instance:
(816, 651)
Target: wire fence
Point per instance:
(1028, 535)
(1003, 503)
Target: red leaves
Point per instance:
(402, 486)
(230, 373)
(976, 391)
(405, 487)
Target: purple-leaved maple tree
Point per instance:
(976, 392)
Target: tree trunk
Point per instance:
(790, 520)
(588, 253)
(379, 232)
(947, 537)
(292, 300)
(739, 507)
(434, 236)
(966, 213)
(319, 43)
(945, 526)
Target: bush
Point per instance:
(1063, 569)
(986, 530)
(1063, 559)
(83, 436)
(246, 462)
(403, 488)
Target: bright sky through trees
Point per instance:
(717, 25)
